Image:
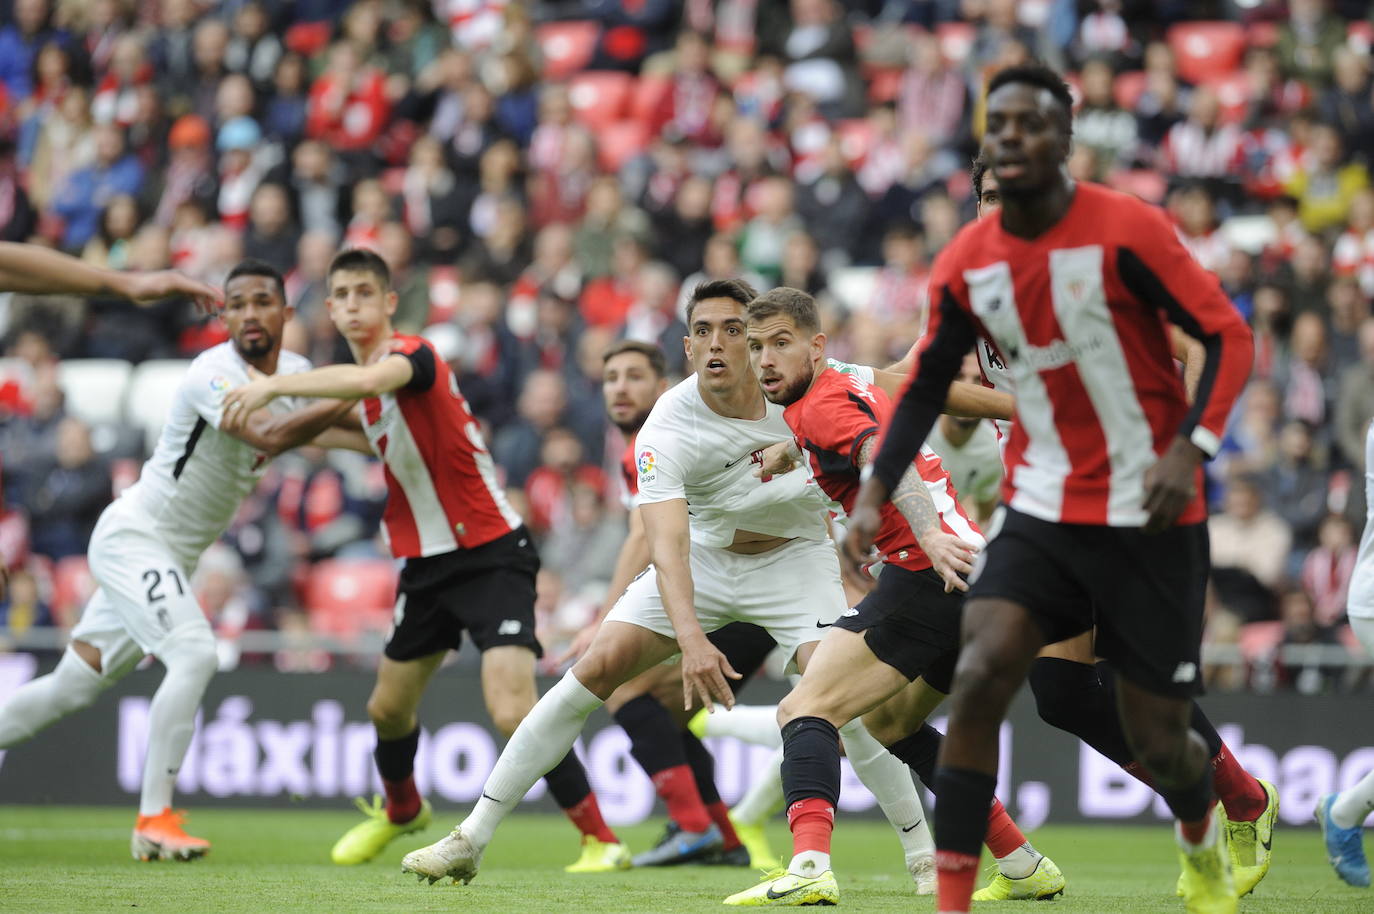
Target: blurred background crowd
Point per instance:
(546, 176)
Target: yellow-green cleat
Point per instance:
(1045, 881)
(600, 857)
(1206, 884)
(755, 840)
(1250, 844)
(369, 838)
(782, 889)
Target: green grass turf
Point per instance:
(77, 860)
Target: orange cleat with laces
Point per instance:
(161, 837)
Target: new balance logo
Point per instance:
(1185, 672)
(509, 627)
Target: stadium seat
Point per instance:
(600, 98)
(308, 38)
(1145, 183)
(956, 40)
(1259, 638)
(651, 92)
(853, 286)
(72, 586)
(1128, 88)
(94, 388)
(346, 597)
(150, 394)
(620, 142)
(567, 46)
(1206, 50)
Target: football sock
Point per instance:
(395, 759)
(1192, 803)
(957, 872)
(1198, 833)
(71, 686)
(765, 795)
(543, 737)
(188, 653)
(570, 790)
(656, 743)
(1073, 697)
(757, 724)
(889, 780)
(961, 823)
(1354, 804)
(812, 822)
(703, 766)
(1242, 796)
(919, 751)
(811, 778)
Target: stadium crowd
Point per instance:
(546, 177)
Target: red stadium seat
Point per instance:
(1146, 184)
(618, 143)
(1128, 88)
(1260, 638)
(956, 40)
(72, 586)
(600, 98)
(344, 598)
(1233, 94)
(567, 46)
(1206, 50)
(651, 93)
(308, 38)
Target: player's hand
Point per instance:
(704, 674)
(779, 458)
(580, 643)
(155, 286)
(242, 402)
(864, 521)
(951, 557)
(1170, 484)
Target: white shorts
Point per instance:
(1364, 631)
(793, 592)
(144, 595)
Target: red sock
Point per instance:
(1195, 832)
(402, 799)
(957, 872)
(812, 821)
(678, 788)
(1242, 795)
(1003, 835)
(1137, 771)
(586, 815)
(720, 814)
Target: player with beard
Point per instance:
(1075, 286)
(146, 545)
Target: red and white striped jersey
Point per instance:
(442, 488)
(1079, 317)
(831, 423)
(629, 474)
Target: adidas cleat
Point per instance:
(452, 856)
(1344, 846)
(161, 837)
(678, 846)
(370, 837)
(600, 857)
(1250, 844)
(782, 889)
(1045, 881)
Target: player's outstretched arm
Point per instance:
(37, 270)
(275, 434)
(971, 401)
(343, 439)
(339, 382)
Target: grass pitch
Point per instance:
(77, 860)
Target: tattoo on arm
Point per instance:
(910, 497)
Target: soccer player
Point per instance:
(469, 561)
(1075, 285)
(907, 627)
(147, 543)
(749, 550)
(1342, 815)
(968, 450)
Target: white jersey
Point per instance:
(975, 468)
(999, 379)
(687, 450)
(197, 477)
(1361, 597)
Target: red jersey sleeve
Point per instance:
(1156, 267)
(840, 414)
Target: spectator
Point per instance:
(254, 50)
(241, 167)
(272, 234)
(517, 446)
(20, 42)
(1326, 571)
(1202, 146)
(1353, 254)
(606, 299)
(1355, 400)
(171, 47)
(924, 169)
(681, 233)
(189, 176)
(65, 497)
(235, 98)
(22, 608)
(1162, 106)
(560, 194)
(1301, 628)
(1250, 546)
(118, 223)
(1297, 482)
(316, 181)
(688, 104)
(372, 206)
(801, 265)
(1347, 105)
(933, 97)
(17, 215)
(1194, 212)
(504, 252)
(88, 189)
(720, 261)
(1101, 124)
(1327, 183)
(630, 31)
(116, 96)
(1348, 310)
(348, 107)
(653, 318)
(761, 240)
(409, 280)
(517, 108)
(1305, 276)
(288, 102)
(209, 46)
(583, 547)
(899, 302)
(819, 56)
(1308, 41)
(549, 488)
(834, 207)
(434, 206)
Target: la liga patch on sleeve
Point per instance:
(646, 463)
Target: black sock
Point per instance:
(1074, 698)
(703, 766)
(395, 758)
(811, 760)
(1191, 803)
(919, 751)
(655, 741)
(1200, 722)
(961, 814)
(568, 782)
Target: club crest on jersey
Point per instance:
(645, 464)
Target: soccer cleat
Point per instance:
(1250, 844)
(735, 856)
(697, 725)
(678, 846)
(755, 838)
(367, 839)
(161, 837)
(923, 873)
(600, 857)
(1207, 884)
(783, 889)
(1344, 846)
(452, 855)
(1045, 881)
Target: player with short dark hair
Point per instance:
(1075, 286)
(470, 563)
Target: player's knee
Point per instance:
(805, 702)
(392, 719)
(190, 649)
(1060, 688)
(597, 673)
(885, 726)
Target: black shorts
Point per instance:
(746, 646)
(487, 590)
(911, 624)
(1145, 592)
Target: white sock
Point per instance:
(889, 780)
(542, 739)
(189, 656)
(1020, 863)
(71, 686)
(765, 797)
(1354, 804)
(1208, 839)
(809, 864)
(757, 724)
